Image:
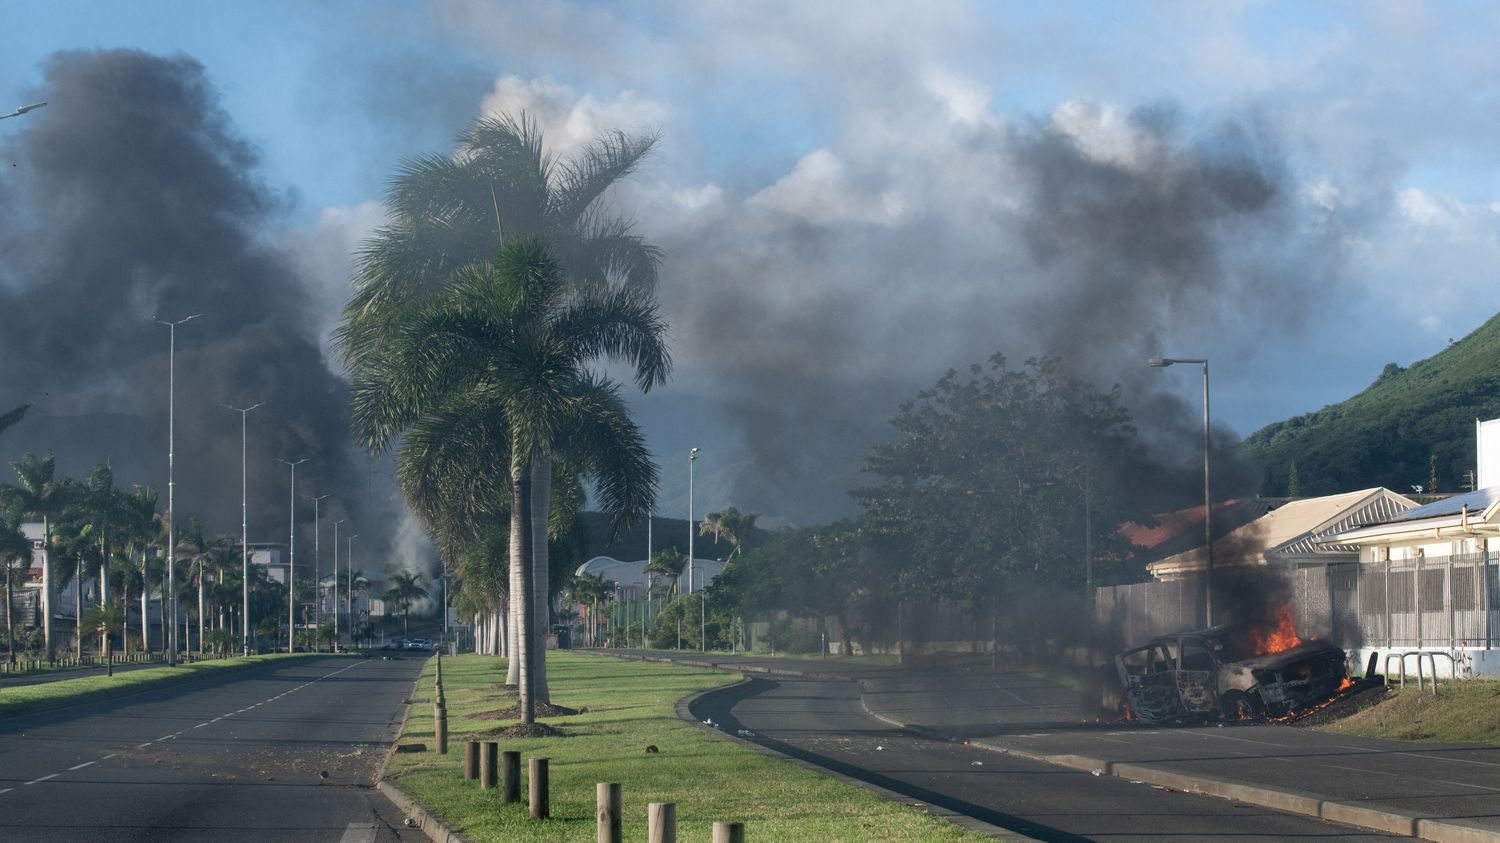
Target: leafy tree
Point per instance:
(219, 642)
(103, 620)
(403, 589)
(667, 562)
(15, 555)
(497, 359)
(731, 525)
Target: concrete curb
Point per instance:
(1279, 799)
(426, 822)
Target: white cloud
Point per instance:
(1103, 133)
(568, 119)
(819, 191)
(324, 254)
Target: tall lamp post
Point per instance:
(1208, 501)
(336, 581)
(317, 571)
(169, 639)
(349, 585)
(244, 532)
(291, 561)
(692, 533)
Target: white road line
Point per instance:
(200, 725)
(1362, 771)
(81, 766)
(44, 778)
(359, 833)
(1449, 760)
(107, 757)
(7, 790)
(142, 745)
(1241, 740)
(165, 738)
(1465, 784)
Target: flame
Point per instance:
(1346, 683)
(1282, 636)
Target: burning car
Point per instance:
(1234, 672)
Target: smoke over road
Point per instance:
(133, 198)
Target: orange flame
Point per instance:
(1282, 636)
(1346, 683)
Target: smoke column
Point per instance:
(132, 198)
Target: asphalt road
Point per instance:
(284, 752)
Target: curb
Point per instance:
(1279, 799)
(426, 822)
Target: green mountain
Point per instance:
(1408, 427)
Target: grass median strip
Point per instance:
(25, 699)
(630, 706)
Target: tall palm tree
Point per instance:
(99, 513)
(404, 588)
(501, 352)
(15, 555)
(103, 620)
(667, 562)
(38, 492)
(731, 525)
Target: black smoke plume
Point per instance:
(134, 198)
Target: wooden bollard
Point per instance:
(510, 777)
(607, 796)
(661, 822)
(729, 832)
(539, 792)
(489, 756)
(471, 760)
(440, 721)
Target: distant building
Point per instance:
(632, 578)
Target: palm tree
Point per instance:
(667, 562)
(38, 492)
(731, 524)
(104, 620)
(218, 641)
(404, 588)
(98, 514)
(15, 555)
(497, 359)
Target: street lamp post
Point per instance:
(317, 572)
(23, 109)
(336, 581)
(1208, 503)
(291, 561)
(169, 639)
(244, 532)
(692, 533)
(349, 585)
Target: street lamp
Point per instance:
(169, 640)
(291, 561)
(1208, 504)
(692, 532)
(244, 532)
(336, 581)
(317, 571)
(349, 589)
(23, 109)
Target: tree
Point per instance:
(403, 589)
(38, 492)
(15, 555)
(502, 353)
(667, 562)
(219, 642)
(731, 525)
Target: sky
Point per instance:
(854, 198)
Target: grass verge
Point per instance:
(1463, 712)
(630, 705)
(25, 699)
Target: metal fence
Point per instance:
(1435, 602)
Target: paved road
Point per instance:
(285, 752)
(823, 722)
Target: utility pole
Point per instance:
(244, 532)
(169, 639)
(291, 562)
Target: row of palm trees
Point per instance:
(499, 281)
(95, 532)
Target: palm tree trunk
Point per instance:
(522, 602)
(10, 615)
(200, 609)
(78, 607)
(145, 604)
(541, 572)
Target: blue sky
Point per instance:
(810, 153)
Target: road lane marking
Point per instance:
(142, 745)
(7, 790)
(107, 757)
(1450, 760)
(359, 833)
(44, 778)
(1465, 784)
(81, 766)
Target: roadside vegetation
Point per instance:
(46, 696)
(1462, 712)
(630, 706)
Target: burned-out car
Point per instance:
(1226, 673)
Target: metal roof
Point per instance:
(1476, 501)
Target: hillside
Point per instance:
(1406, 425)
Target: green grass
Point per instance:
(25, 699)
(632, 705)
(1462, 712)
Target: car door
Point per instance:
(1194, 677)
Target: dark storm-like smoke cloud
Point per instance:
(1193, 234)
(135, 198)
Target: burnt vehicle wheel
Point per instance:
(1239, 705)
